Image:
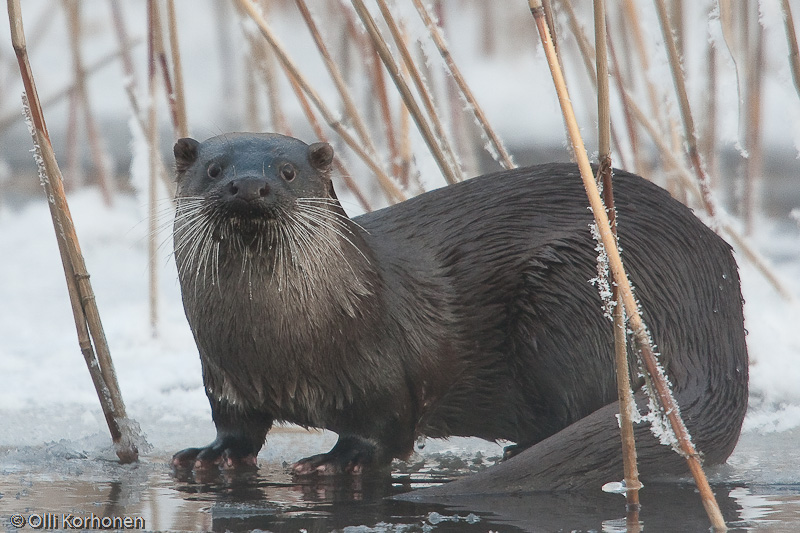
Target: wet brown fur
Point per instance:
(464, 311)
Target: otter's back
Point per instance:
(516, 250)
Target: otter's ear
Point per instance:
(185, 151)
(320, 155)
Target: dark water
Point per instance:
(756, 492)
(268, 500)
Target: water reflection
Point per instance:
(268, 499)
(271, 500)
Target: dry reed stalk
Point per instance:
(791, 39)
(628, 18)
(630, 125)
(351, 109)
(91, 336)
(690, 135)
(40, 28)
(633, 25)
(225, 48)
(677, 17)
(753, 136)
(374, 72)
(11, 118)
(626, 402)
(152, 145)
(442, 160)
(640, 332)
(589, 59)
(673, 182)
(733, 26)
(252, 117)
(98, 152)
(337, 162)
(709, 138)
(405, 150)
(727, 20)
(73, 148)
(459, 114)
(177, 69)
(156, 32)
(488, 37)
(130, 88)
(625, 43)
(264, 59)
(633, 111)
(744, 23)
(587, 53)
(127, 61)
(393, 193)
(551, 25)
(124, 42)
(463, 86)
(400, 159)
(603, 106)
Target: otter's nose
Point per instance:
(248, 189)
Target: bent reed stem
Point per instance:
(640, 332)
(624, 393)
(91, 336)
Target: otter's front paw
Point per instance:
(225, 453)
(350, 455)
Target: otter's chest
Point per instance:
(278, 348)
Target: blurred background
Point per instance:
(737, 69)
(98, 79)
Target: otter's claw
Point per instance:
(213, 455)
(350, 455)
(326, 465)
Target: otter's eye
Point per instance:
(214, 170)
(288, 172)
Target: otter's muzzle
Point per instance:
(247, 189)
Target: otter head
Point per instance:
(251, 177)
(244, 196)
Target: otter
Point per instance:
(464, 311)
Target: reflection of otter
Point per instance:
(464, 311)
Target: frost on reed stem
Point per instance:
(641, 334)
(91, 337)
(601, 281)
(125, 433)
(660, 426)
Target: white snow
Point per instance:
(48, 393)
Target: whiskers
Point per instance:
(162, 230)
(297, 245)
(197, 234)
